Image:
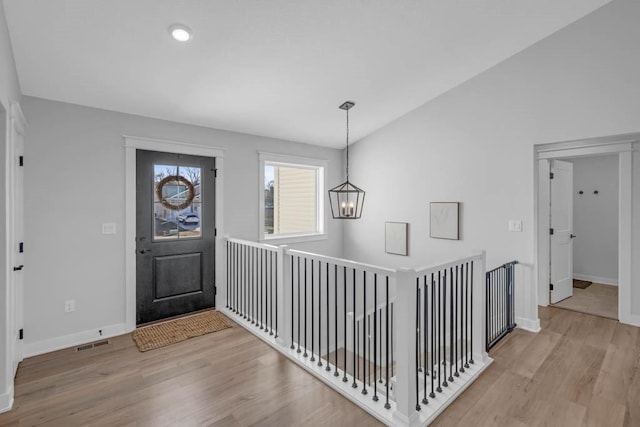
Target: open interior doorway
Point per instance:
(585, 206)
(621, 148)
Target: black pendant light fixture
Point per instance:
(346, 199)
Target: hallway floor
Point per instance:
(597, 299)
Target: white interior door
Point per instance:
(561, 224)
(16, 234)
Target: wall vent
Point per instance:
(92, 345)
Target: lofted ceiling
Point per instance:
(276, 68)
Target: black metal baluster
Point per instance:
(432, 365)
(463, 316)
(364, 333)
(471, 310)
(271, 300)
(252, 272)
(387, 405)
(355, 343)
(293, 346)
(261, 289)
(245, 280)
(335, 318)
(438, 349)
(275, 301)
(466, 311)
(425, 348)
(391, 333)
(319, 314)
(328, 368)
(305, 308)
(369, 347)
(455, 304)
(375, 340)
(313, 359)
(417, 317)
(444, 328)
(451, 282)
(344, 358)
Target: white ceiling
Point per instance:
(276, 68)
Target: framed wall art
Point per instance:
(444, 220)
(395, 238)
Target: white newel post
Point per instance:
(284, 297)
(223, 278)
(405, 332)
(479, 309)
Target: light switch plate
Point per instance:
(515, 226)
(109, 228)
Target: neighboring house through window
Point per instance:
(291, 197)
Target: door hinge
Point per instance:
(215, 173)
(21, 161)
(215, 232)
(550, 286)
(215, 291)
(551, 231)
(551, 175)
(20, 247)
(21, 334)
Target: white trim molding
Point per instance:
(623, 146)
(131, 144)
(596, 279)
(322, 165)
(528, 324)
(72, 340)
(6, 399)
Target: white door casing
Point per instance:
(16, 231)
(561, 225)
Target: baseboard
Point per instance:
(72, 340)
(633, 320)
(6, 399)
(596, 279)
(528, 324)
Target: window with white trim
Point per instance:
(292, 203)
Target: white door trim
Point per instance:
(623, 145)
(131, 144)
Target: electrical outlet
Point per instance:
(515, 226)
(70, 306)
(109, 228)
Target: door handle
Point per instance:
(144, 251)
(18, 268)
(573, 236)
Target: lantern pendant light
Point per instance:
(346, 199)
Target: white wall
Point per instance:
(75, 181)
(474, 145)
(595, 219)
(9, 92)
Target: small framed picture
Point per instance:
(395, 238)
(444, 220)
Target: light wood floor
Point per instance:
(228, 378)
(579, 370)
(598, 299)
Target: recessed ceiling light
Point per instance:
(180, 32)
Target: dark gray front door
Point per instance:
(175, 237)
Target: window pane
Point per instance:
(177, 202)
(295, 200)
(269, 176)
(189, 221)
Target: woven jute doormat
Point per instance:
(177, 330)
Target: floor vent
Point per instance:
(92, 345)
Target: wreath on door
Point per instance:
(188, 199)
